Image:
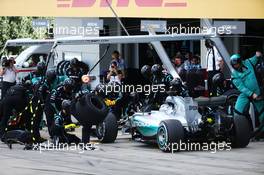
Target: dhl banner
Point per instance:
(235, 9)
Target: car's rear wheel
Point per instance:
(241, 132)
(170, 134)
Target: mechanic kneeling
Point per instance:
(64, 92)
(60, 135)
(244, 78)
(16, 99)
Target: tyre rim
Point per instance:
(162, 136)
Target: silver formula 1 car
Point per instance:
(182, 119)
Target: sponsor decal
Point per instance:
(120, 3)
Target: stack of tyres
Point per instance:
(62, 67)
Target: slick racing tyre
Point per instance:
(170, 134)
(241, 132)
(90, 109)
(107, 130)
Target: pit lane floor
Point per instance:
(128, 157)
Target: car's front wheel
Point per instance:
(170, 134)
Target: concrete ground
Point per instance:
(128, 157)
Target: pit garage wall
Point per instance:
(89, 53)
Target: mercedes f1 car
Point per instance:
(182, 118)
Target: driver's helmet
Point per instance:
(235, 59)
(146, 71)
(218, 80)
(169, 105)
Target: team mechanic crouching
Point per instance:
(64, 92)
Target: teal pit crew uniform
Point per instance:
(247, 84)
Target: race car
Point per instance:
(182, 118)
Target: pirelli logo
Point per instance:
(120, 3)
